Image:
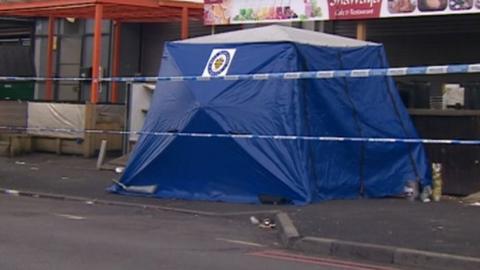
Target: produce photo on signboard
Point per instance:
(401, 6)
(264, 10)
(461, 4)
(432, 5)
(234, 11)
(216, 12)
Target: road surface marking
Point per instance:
(70, 217)
(317, 261)
(240, 242)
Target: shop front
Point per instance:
(443, 106)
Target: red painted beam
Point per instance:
(42, 4)
(97, 53)
(117, 29)
(79, 13)
(180, 4)
(51, 40)
(75, 11)
(72, 8)
(185, 23)
(146, 15)
(136, 3)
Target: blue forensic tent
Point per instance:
(299, 171)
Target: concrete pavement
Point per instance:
(445, 227)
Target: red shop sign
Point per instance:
(354, 9)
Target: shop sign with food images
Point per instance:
(221, 12)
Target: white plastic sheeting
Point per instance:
(56, 116)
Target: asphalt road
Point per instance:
(48, 234)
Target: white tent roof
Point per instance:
(277, 33)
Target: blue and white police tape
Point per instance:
(36, 130)
(322, 74)
(40, 79)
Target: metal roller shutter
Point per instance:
(423, 40)
(15, 30)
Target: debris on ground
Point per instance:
(411, 190)
(267, 224)
(437, 181)
(20, 163)
(472, 198)
(65, 178)
(34, 168)
(254, 220)
(113, 164)
(426, 194)
(119, 170)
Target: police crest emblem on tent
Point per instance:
(219, 62)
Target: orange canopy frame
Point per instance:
(116, 10)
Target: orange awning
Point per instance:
(118, 10)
